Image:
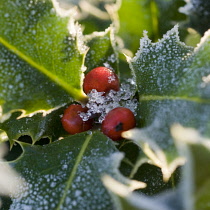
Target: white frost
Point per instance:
(100, 104)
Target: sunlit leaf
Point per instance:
(41, 54)
(132, 18)
(172, 87)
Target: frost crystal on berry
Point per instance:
(111, 78)
(100, 104)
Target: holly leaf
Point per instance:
(192, 191)
(36, 126)
(172, 82)
(41, 54)
(67, 172)
(102, 50)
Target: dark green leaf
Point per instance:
(198, 14)
(66, 174)
(102, 50)
(193, 190)
(37, 126)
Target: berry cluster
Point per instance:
(119, 119)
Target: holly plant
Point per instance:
(104, 104)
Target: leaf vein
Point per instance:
(77, 94)
(74, 170)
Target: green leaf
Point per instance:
(135, 17)
(193, 190)
(37, 126)
(42, 56)
(102, 50)
(172, 88)
(66, 174)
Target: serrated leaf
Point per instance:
(41, 59)
(37, 126)
(170, 82)
(102, 50)
(193, 190)
(66, 174)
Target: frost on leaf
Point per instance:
(192, 191)
(102, 50)
(36, 126)
(171, 84)
(158, 67)
(67, 173)
(41, 61)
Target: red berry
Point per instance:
(116, 121)
(102, 79)
(72, 122)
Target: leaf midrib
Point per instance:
(74, 170)
(183, 98)
(77, 94)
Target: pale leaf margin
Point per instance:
(123, 194)
(155, 154)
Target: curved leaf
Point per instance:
(102, 50)
(37, 126)
(66, 174)
(172, 87)
(41, 58)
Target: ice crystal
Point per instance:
(100, 104)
